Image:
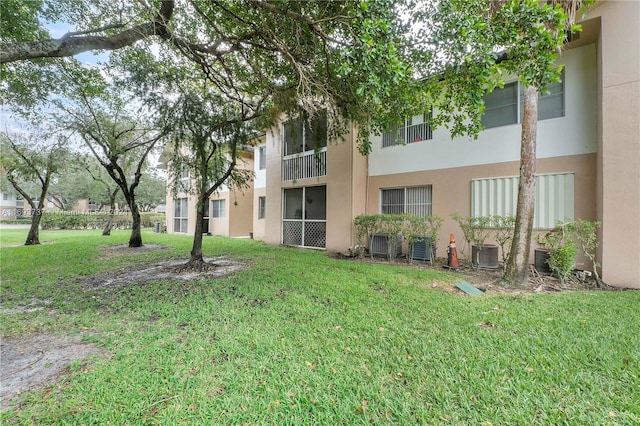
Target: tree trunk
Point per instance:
(112, 204)
(107, 226)
(196, 249)
(135, 240)
(517, 269)
(33, 237)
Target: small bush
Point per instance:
(407, 225)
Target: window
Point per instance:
(205, 219)
(262, 205)
(305, 135)
(218, 208)
(183, 184)
(262, 157)
(551, 103)
(180, 212)
(499, 196)
(415, 129)
(501, 106)
(414, 200)
(506, 106)
(5, 196)
(19, 201)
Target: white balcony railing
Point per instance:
(305, 165)
(408, 134)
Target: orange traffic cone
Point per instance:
(452, 261)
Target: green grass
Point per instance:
(300, 338)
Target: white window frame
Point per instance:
(182, 218)
(407, 205)
(262, 157)
(262, 207)
(554, 91)
(218, 209)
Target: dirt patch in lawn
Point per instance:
(23, 245)
(218, 267)
(33, 361)
(123, 249)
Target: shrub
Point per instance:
(562, 249)
(407, 225)
(562, 260)
(476, 229)
(504, 226)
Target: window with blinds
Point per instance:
(414, 200)
(218, 208)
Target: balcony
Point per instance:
(414, 130)
(308, 164)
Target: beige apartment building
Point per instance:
(229, 212)
(307, 190)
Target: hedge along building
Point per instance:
(588, 159)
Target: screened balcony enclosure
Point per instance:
(305, 217)
(305, 148)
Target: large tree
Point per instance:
(30, 163)
(472, 47)
(344, 56)
(102, 189)
(209, 133)
(118, 131)
(532, 33)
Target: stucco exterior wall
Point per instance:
(346, 180)
(273, 219)
(240, 211)
(221, 225)
(619, 140)
(573, 134)
(259, 225)
(451, 188)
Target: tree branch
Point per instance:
(71, 44)
(18, 188)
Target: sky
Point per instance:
(13, 125)
(10, 124)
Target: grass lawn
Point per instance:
(300, 338)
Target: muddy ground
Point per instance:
(36, 360)
(32, 361)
